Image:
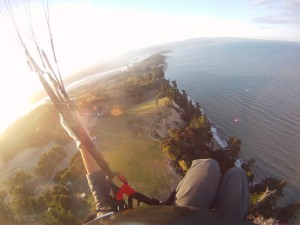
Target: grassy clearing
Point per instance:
(136, 156)
(147, 107)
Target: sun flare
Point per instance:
(15, 93)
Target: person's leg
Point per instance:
(199, 186)
(98, 184)
(233, 196)
(96, 178)
(89, 162)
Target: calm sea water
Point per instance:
(250, 89)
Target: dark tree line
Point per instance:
(194, 141)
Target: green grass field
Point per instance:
(136, 156)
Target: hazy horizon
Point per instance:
(84, 32)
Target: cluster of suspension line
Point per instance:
(50, 78)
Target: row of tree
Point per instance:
(194, 141)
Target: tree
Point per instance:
(174, 83)
(49, 160)
(200, 122)
(287, 213)
(198, 107)
(183, 165)
(57, 214)
(234, 147)
(202, 128)
(172, 152)
(264, 196)
(247, 166)
(55, 206)
(20, 189)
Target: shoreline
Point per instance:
(217, 138)
(218, 141)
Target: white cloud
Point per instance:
(280, 12)
(264, 2)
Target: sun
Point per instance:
(17, 85)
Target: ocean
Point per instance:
(249, 89)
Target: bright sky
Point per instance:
(86, 31)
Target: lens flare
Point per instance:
(116, 111)
(237, 120)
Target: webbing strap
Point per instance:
(124, 189)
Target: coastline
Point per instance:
(219, 141)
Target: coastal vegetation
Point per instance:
(139, 121)
(193, 141)
(49, 160)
